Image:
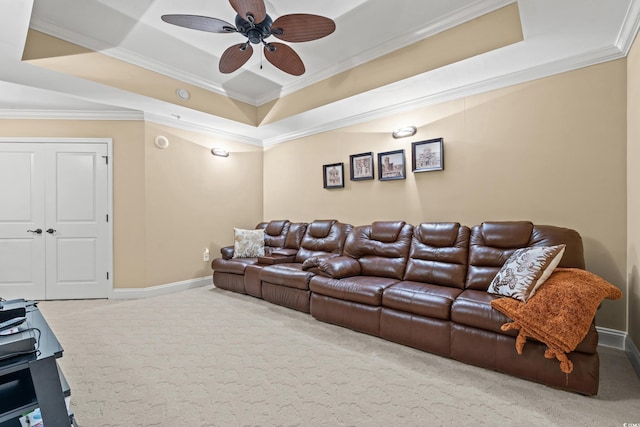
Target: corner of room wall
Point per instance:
(633, 203)
(194, 199)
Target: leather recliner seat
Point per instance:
(287, 284)
(425, 287)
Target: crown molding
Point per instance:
(70, 114)
(478, 8)
(545, 70)
(200, 128)
(629, 28)
(130, 57)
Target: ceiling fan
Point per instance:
(253, 22)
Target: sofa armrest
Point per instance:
(275, 259)
(314, 261)
(227, 252)
(338, 267)
(284, 252)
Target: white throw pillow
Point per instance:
(248, 243)
(525, 270)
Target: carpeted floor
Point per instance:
(207, 357)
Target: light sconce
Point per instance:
(404, 132)
(220, 152)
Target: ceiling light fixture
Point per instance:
(220, 152)
(404, 132)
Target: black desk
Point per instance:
(31, 381)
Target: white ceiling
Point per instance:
(559, 35)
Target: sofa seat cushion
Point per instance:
(421, 298)
(362, 289)
(290, 275)
(473, 308)
(235, 265)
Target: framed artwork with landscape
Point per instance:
(333, 175)
(427, 155)
(391, 165)
(361, 166)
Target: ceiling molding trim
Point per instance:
(557, 67)
(629, 28)
(202, 129)
(465, 14)
(70, 115)
(130, 57)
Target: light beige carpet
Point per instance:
(208, 357)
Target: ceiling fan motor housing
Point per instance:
(256, 33)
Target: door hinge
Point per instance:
(107, 217)
(106, 159)
(107, 275)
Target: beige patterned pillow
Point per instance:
(248, 243)
(525, 270)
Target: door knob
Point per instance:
(36, 231)
(51, 231)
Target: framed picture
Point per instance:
(333, 175)
(391, 165)
(427, 155)
(361, 166)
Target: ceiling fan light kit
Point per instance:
(253, 22)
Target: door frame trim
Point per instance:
(109, 141)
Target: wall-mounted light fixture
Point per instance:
(221, 152)
(404, 132)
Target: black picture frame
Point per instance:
(361, 166)
(391, 165)
(333, 175)
(427, 156)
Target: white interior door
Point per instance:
(67, 201)
(76, 221)
(22, 240)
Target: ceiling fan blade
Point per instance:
(255, 8)
(235, 57)
(284, 58)
(202, 23)
(302, 27)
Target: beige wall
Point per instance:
(168, 204)
(193, 201)
(552, 151)
(633, 192)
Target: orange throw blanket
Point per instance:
(560, 313)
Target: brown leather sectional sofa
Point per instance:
(424, 286)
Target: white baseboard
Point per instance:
(633, 354)
(152, 291)
(611, 338)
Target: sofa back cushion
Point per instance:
(295, 235)
(438, 254)
(492, 243)
(381, 248)
(323, 237)
(275, 232)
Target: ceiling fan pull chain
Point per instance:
(261, 57)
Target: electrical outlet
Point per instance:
(205, 255)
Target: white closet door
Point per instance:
(22, 238)
(76, 221)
